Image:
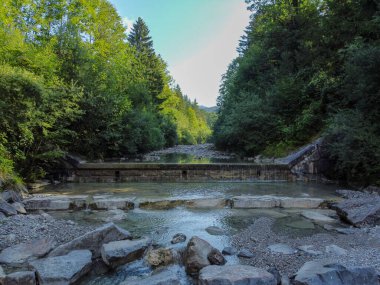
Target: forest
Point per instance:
(307, 69)
(73, 81)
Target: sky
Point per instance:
(197, 38)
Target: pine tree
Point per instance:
(139, 37)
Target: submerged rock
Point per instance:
(20, 254)
(178, 238)
(245, 253)
(309, 250)
(324, 272)
(335, 250)
(124, 251)
(229, 251)
(196, 255)
(215, 231)
(167, 276)
(235, 275)
(315, 216)
(93, 240)
(20, 278)
(66, 269)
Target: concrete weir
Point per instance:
(174, 172)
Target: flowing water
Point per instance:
(161, 225)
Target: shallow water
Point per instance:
(161, 225)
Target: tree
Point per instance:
(139, 37)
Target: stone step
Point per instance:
(268, 201)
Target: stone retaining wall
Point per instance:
(148, 172)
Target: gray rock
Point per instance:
(276, 274)
(335, 250)
(124, 251)
(21, 278)
(93, 240)
(2, 275)
(19, 207)
(216, 258)
(7, 208)
(229, 251)
(66, 269)
(245, 253)
(235, 275)
(196, 255)
(215, 231)
(111, 203)
(20, 254)
(168, 276)
(48, 203)
(11, 196)
(252, 202)
(347, 231)
(285, 280)
(315, 216)
(2, 216)
(178, 238)
(324, 272)
(303, 224)
(282, 248)
(360, 211)
(308, 249)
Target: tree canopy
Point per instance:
(307, 68)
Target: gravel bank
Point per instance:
(363, 247)
(20, 228)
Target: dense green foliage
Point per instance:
(307, 68)
(72, 81)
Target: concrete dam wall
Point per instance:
(172, 172)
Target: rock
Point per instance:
(252, 202)
(19, 207)
(48, 203)
(245, 253)
(11, 196)
(162, 204)
(178, 238)
(21, 278)
(111, 203)
(315, 216)
(285, 280)
(7, 208)
(282, 248)
(303, 225)
(196, 255)
(308, 249)
(335, 250)
(159, 257)
(347, 231)
(215, 231)
(276, 274)
(2, 275)
(169, 276)
(98, 267)
(361, 211)
(93, 240)
(323, 272)
(229, 251)
(235, 275)
(2, 216)
(216, 258)
(208, 203)
(20, 254)
(65, 269)
(121, 252)
(116, 215)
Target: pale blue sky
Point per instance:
(197, 38)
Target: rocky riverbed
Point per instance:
(36, 247)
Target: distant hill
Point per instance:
(209, 109)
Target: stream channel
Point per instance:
(161, 225)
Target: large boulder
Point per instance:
(235, 275)
(360, 210)
(20, 254)
(7, 208)
(93, 240)
(21, 278)
(62, 270)
(325, 272)
(11, 196)
(197, 255)
(124, 251)
(160, 257)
